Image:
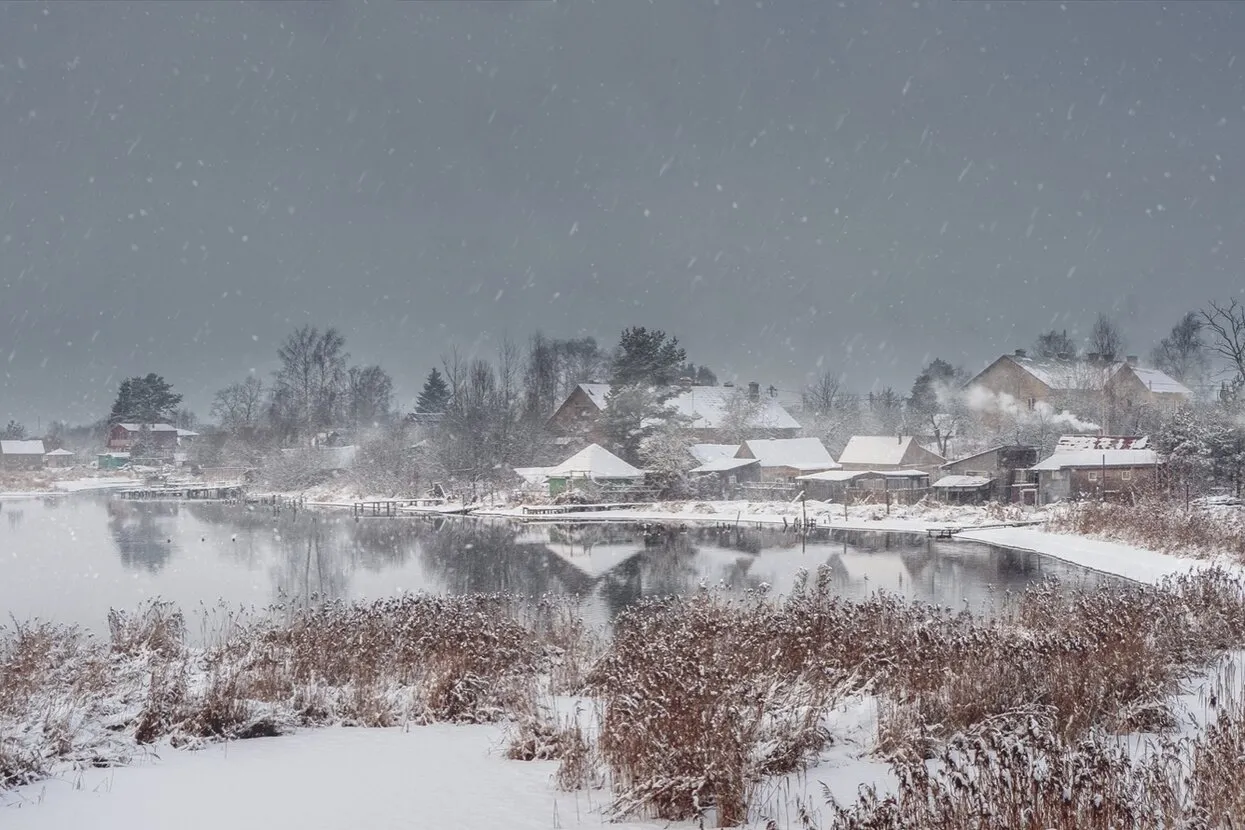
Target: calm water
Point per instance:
(71, 559)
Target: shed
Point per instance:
(1007, 467)
(592, 463)
(21, 455)
(59, 458)
(866, 485)
(962, 489)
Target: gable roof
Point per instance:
(879, 449)
(722, 465)
(60, 452)
(129, 427)
(796, 453)
(21, 447)
(1069, 443)
(1065, 459)
(1159, 382)
(708, 407)
(595, 462)
(705, 453)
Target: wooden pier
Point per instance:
(188, 492)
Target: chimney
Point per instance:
(1021, 353)
(754, 391)
(899, 438)
(1131, 360)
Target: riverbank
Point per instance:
(16, 486)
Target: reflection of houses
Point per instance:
(1106, 467)
(593, 464)
(888, 452)
(867, 486)
(998, 474)
(711, 411)
(21, 455)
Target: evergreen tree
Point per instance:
(13, 432)
(646, 365)
(145, 400)
(435, 396)
(647, 357)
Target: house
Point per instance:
(594, 464)
(1095, 386)
(866, 486)
(704, 453)
(998, 474)
(1107, 467)
(783, 459)
(888, 452)
(714, 412)
(21, 455)
(58, 458)
(158, 438)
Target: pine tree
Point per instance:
(145, 400)
(435, 396)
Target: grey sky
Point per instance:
(869, 184)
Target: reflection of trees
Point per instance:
(142, 532)
(485, 557)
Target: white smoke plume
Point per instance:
(984, 401)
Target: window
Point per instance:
(1126, 475)
(1093, 475)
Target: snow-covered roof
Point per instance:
(1066, 459)
(1102, 442)
(596, 392)
(128, 427)
(59, 453)
(595, 462)
(883, 450)
(21, 447)
(705, 453)
(532, 475)
(901, 473)
(722, 465)
(835, 475)
(187, 433)
(1160, 382)
(962, 481)
(796, 453)
(710, 407)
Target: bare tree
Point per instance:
(824, 394)
(369, 395)
(307, 394)
(1225, 323)
(240, 406)
(1182, 354)
(1105, 338)
(1055, 344)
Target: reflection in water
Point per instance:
(143, 532)
(84, 555)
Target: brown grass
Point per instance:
(1157, 524)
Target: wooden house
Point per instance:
(888, 452)
(998, 474)
(1106, 467)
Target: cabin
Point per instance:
(21, 455)
(998, 474)
(58, 458)
(593, 464)
(888, 452)
(1113, 468)
(715, 414)
(866, 486)
(784, 459)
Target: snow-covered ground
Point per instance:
(341, 779)
(77, 484)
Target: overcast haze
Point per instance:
(869, 184)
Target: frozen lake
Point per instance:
(70, 559)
